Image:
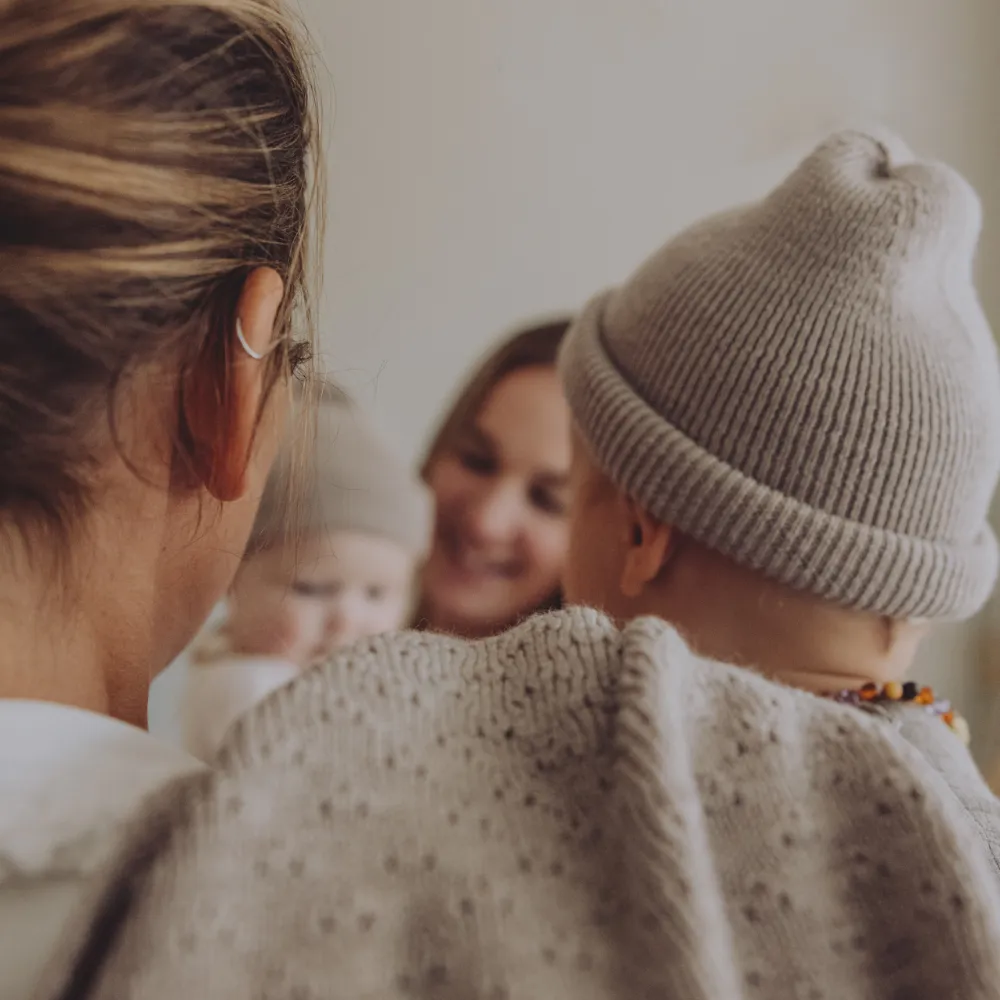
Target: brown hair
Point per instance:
(152, 154)
(528, 348)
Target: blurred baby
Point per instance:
(333, 557)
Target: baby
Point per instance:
(333, 558)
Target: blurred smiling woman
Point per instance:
(498, 467)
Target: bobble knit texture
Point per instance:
(809, 386)
(566, 811)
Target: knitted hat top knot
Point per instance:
(809, 386)
(346, 479)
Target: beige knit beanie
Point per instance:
(346, 479)
(809, 386)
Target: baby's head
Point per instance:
(336, 547)
(788, 421)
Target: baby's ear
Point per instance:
(897, 632)
(647, 549)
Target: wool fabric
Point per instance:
(568, 810)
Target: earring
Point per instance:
(256, 355)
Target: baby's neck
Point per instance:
(794, 638)
(815, 655)
(830, 682)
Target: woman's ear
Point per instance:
(647, 549)
(222, 394)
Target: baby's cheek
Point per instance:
(302, 626)
(278, 632)
(390, 617)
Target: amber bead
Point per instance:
(893, 691)
(907, 692)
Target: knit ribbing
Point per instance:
(809, 385)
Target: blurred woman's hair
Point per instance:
(534, 346)
(152, 154)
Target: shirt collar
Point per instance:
(68, 778)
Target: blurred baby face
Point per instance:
(338, 588)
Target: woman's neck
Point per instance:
(48, 656)
(65, 645)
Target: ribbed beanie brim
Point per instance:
(808, 386)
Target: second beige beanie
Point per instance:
(809, 385)
(345, 479)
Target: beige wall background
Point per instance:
(492, 160)
(496, 159)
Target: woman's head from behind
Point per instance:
(498, 468)
(154, 166)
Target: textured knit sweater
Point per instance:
(566, 811)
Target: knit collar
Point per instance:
(68, 778)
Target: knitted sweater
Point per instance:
(565, 811)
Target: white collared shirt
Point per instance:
(68, 780)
